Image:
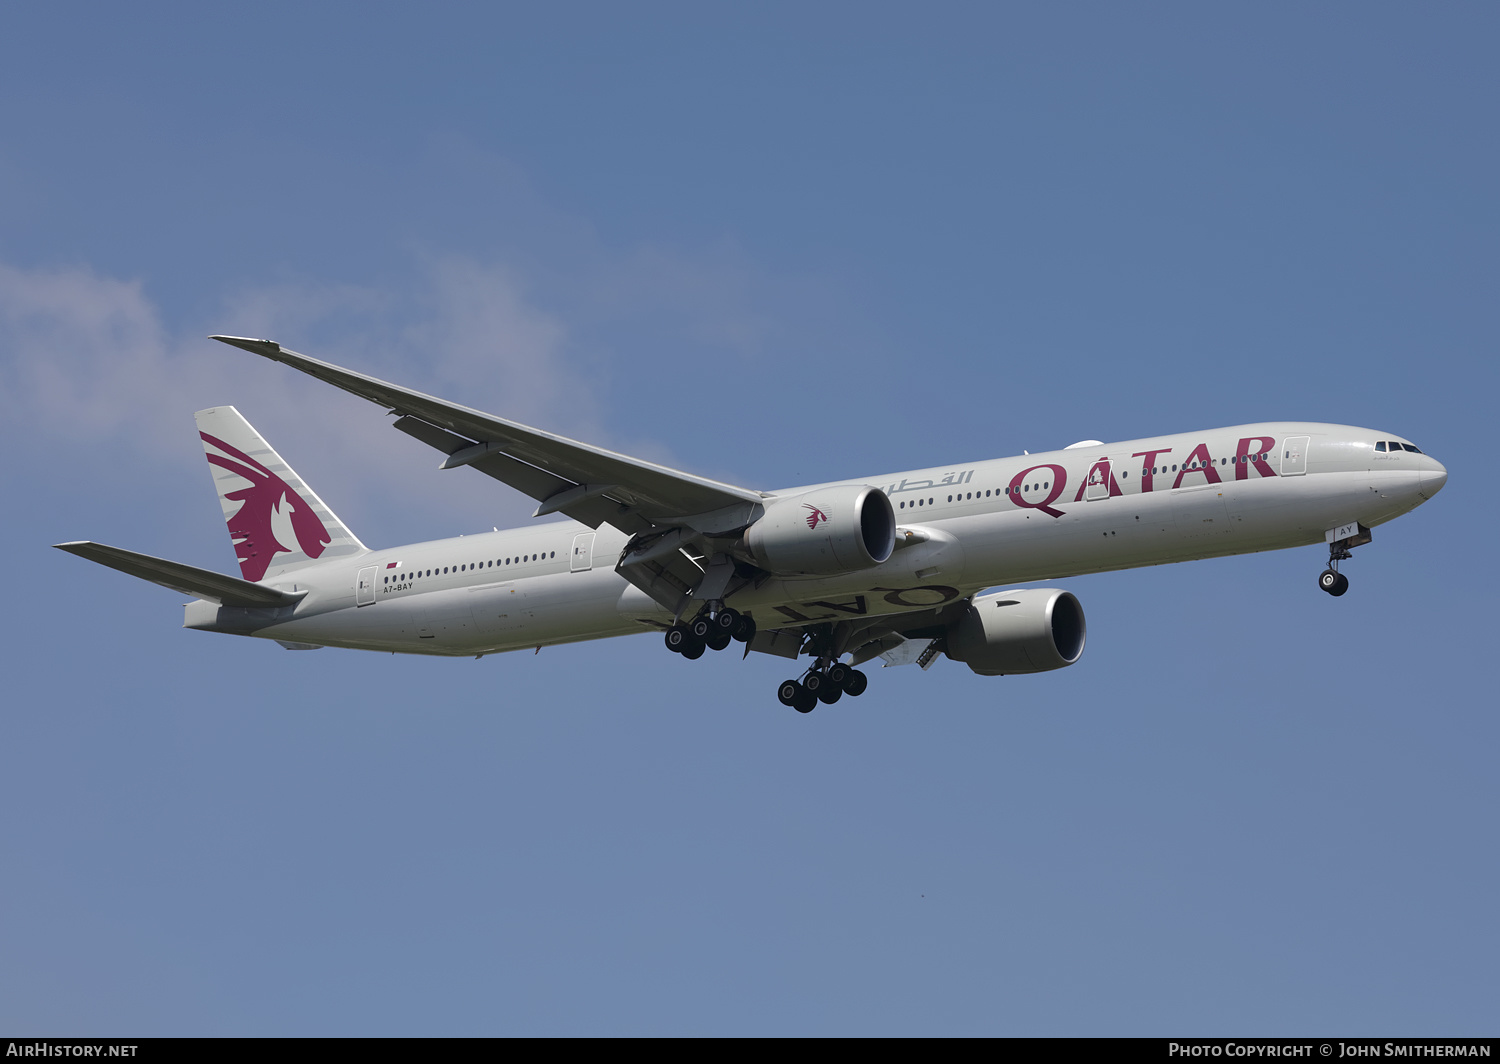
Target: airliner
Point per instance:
(895, 567)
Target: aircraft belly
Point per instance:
(499, 609)
(1200, 513)
(569, 604)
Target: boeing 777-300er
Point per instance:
(893, 566)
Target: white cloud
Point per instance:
(76, 351)
(90, 361)
(86, 361)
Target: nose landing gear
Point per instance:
(1341, 541)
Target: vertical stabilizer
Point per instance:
(275, 520)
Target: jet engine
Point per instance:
(824, 532)
(1019, 631)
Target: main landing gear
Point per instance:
(710, 631)
(826, 684)
(715, 628)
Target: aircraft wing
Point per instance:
(589, 484)
(188, 579)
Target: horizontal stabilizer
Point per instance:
(189, 579)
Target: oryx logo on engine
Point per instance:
(815, 516)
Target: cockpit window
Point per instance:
(1410, 448)
(1380, 446)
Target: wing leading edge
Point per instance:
(589, 484)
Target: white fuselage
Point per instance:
(1006, 521)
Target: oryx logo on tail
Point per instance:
(270, 515)
(815, 516)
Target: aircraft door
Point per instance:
(1097, 482)
(364, 587)
(1294, 455)
(583, 552)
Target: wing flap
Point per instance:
(652, 493)
(188, 579)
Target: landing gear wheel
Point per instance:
(1335, 583)
(677, 638)
(838, 673)
(744, 628)
(726, 619)
(789, 692)
(701, 628)
(692, 650)
(855, 683)
(806, 702)
(718, 639)
(830, 693)
(813, 682)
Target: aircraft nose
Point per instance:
(1432, 477)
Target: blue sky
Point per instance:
(775, 247)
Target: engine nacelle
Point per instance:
(824, 532)
(1019, 631)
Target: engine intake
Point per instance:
(1009, 632)
(824, 532)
